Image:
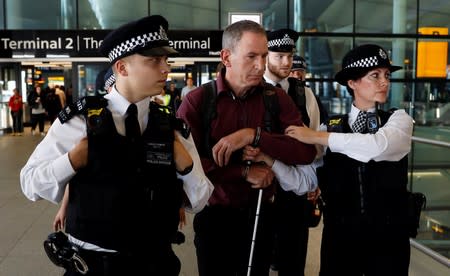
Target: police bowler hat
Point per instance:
(298, 63)
(362, 59)
(146, 36)
(282, 40)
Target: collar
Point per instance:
(284, 83)
(354, 111)
(118, 103)
(223, 87)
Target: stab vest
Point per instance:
(354, 191)
(128, 196)
(296, 91)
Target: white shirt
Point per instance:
(299, 179)
(48, 169)
(390, 143)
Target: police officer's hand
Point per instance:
(182, 157)
(307, 135)
(314, 195)
(256, 155)
(227, 145)
(78, 156)
(260, 176)
(60, 220)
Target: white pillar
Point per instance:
(399, 15)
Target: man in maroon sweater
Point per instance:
(223, 230)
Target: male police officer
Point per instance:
(291, 200)
(128, 175)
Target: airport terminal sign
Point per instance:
(85, 43)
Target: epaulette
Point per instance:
(80, 107)
(336, 123)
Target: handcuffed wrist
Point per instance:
(245, 171)
(255, 142)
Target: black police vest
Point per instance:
(352, 190)
(296, 91)
(128, 197)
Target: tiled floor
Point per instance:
(25, 224)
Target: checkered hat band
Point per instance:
(365, 62)
(132, 43)
(285, 41)
(110, 81)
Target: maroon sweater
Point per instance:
(234, 114)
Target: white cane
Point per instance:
(258, 206)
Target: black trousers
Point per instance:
(115, 264)
(356, 248)
(17, 120)
(291, 234)
(38, 118)
(223, 238)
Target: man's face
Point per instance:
(279, 64)
(189, 82)
(246, 62)
(371, 88)
(146, 75)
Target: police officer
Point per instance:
(129, 170)
(364, 177)
(299, 67)
(291, 201)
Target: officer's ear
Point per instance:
(351, 84)
(120, 67)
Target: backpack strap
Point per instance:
(209, 111)
(81, 106)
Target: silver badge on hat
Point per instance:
(383, 54)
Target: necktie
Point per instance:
(278, 85)
(132, 128)
(360, 123)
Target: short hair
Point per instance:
(233, 33)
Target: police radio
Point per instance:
(373, 121)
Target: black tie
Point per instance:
(360, 124)
(132, 127)
(278, 85)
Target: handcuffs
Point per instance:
(63, 253)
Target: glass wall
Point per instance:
(321, 16)
(386, 16)
(188, 14)
(43, 14)
(275, 14)
(109, 14)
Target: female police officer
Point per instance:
(125, 189)
(364, 177)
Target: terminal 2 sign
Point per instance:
(85, 43)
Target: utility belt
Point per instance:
(81, 261)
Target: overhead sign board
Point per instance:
(85, 43)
